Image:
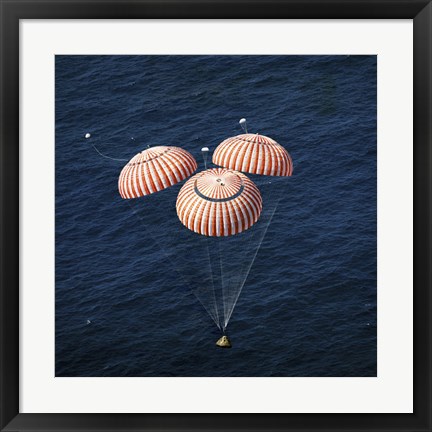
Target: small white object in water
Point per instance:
(87, 135)
(243, 124)
(205, 149)
(88, 322)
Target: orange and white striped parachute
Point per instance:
(154, 169)
(255, 154)
(219, 202)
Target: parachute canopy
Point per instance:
(255, 154)
(219, 202)
(154, 169)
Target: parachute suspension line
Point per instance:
(108, 157)
(209, 288)
(222, 273)
(215, 303)
(212, 316)
(248, 246)
(218, 268)
(232, 272)
(248, 270)
(209, 294)
(233, 275)
(272, 196)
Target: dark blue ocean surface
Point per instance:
(133, 284)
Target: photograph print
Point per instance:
(216, 216)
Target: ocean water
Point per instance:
(134, 287)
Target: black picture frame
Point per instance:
(11, 13)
